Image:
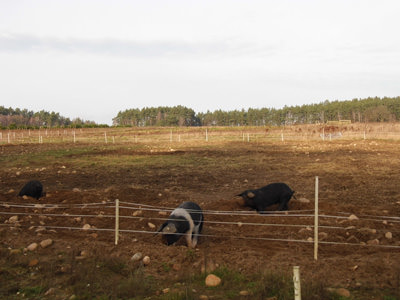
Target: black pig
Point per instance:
(186, 219)
(33, 188)
(274, 193)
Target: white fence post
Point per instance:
(116, 220)
(206, 135)
(296, 282)
(316, 220)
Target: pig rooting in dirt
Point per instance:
(274, 193)
(187, 220)
(33, 188)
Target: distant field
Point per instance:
(151, 170)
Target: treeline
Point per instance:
(17, 118)
(357, 110)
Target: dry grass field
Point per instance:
(151, 171)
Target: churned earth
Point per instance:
(359, 205)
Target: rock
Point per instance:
(151, 225)
(203, 297)
(310, 239)
(244, 293)
(373, 242)
(303, 200)
(15, 251)
(343, 292)
(388, 235)
(86, 227)
(13, 219)
(10, 191)
(240, 224)
(212, 280)
(146, 260)
(32, 247)
(137, 256)
(165, 291)
(76, 190)
(353, 217)
(137, 213)
(50, 291)
(322, 235)
(162, 213)
(46, 243)
(33, 262)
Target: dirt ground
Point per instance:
(355, 177)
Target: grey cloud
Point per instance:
(15, 43)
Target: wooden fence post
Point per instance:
(296, 282)
(116, 220)
(316, 220)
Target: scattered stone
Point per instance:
(212, 280)
(10, 191)
(304, 200)
(310, 239)
(354, 268)
(385, 222)
(240, 224)
(137, 256)
(33, 262)
(32, 247)
(137, 213)
(353, 217)
(203, 297)
(146, 260)
(50, 291)
(165, 291)
(244, 293)
(322, 235)
(343, 292)
(388, 235)
(162, 213)
(368, 230)
(151, 225)
(15, 251)
(86, 227)
(373, 242)
(13, 219)
(76, 190)
(46, 243)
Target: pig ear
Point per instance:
(170, 228)
(161, 227)
(250, 194)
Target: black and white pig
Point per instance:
(186, 219)
(274, 193)
(33, 188)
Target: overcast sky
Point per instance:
(92, 59)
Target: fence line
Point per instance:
(212, 236)
(205, 212)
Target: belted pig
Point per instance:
(274, 193)
(33, 188)
(186, 219)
